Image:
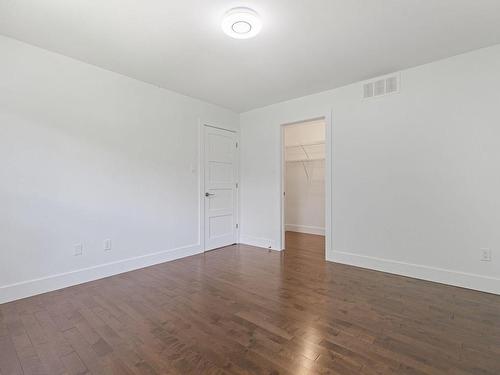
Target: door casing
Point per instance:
(327, 118)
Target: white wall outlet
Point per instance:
(78, 249)
(107, 245)
(486, 255)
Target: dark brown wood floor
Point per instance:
(250, 311)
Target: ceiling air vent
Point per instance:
(368, 90)
(381, 86)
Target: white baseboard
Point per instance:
(259, 242)
(63, 280)
(417, 271)
(46, 284)
(305, 229)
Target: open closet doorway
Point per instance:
(303, 181)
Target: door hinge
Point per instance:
(237, 226)
(237, 185)
(236, 144)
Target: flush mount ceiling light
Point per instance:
(241, 23)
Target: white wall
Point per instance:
(85, 155)
(415, 175)
(305, 197)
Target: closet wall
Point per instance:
(305, 177)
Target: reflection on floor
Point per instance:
(245, 310)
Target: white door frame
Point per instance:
(201, 180)
(327, 117)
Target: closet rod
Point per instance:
(302, 160)
(305, 145)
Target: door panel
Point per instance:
(220, 172)
(222, 200)
(220, 187)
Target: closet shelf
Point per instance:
(305, 152)
(306, 144)
(304, 160)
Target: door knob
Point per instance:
(209, 194)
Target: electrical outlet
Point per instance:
(485, 255)
(107, 245)
(78, 249)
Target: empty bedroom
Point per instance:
(250, 187)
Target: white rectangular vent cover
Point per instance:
(381, 86)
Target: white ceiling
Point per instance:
(305, 46)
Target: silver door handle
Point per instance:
(209, 195)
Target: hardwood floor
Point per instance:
(243, 310)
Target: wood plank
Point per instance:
(244, 310)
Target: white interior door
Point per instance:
(220, 187)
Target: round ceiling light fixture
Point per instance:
(241, 23)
